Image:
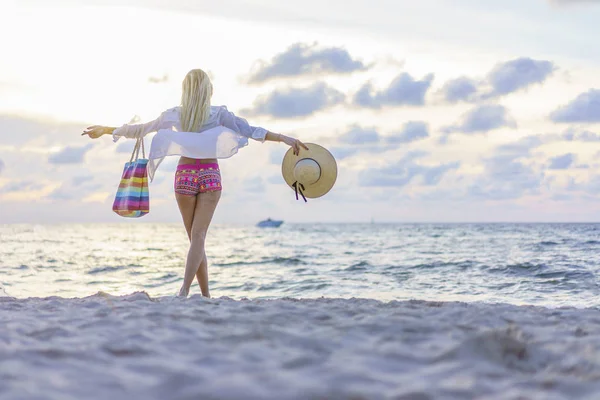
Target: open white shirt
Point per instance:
(221, 136)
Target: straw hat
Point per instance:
(311, 173)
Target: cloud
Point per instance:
(518, 74)
(483, 118)
(404, 90)
(505, 78)
(70, 155)
(504, 178)
(404, 171)
(33, 128)
(277, 154)
(520, 148)
(19, 186)
(358, 135)
(302, 59)
(81, 180)
(459, 89)
(296, 102)
(584, 108)
(562, 162)
(343, 152)
(410, 132)
(125, 147)
(368, 140)
(79, 187)
(583, 136)
(1, 166)
(254, 185)
(572, 2)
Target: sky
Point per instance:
(436, 110)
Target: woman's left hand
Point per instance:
(294, 143)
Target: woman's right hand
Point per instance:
(95, 131)
(294, 143)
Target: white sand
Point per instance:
(134, 347)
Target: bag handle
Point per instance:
(143, 149)
(136, 150)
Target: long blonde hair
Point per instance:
(195, 100)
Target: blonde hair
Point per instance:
(195, 100)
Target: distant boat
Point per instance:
(269, 223)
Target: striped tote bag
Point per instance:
(133, 199)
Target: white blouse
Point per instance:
(221, 136)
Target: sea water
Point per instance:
(541, 264)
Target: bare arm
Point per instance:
(278, 137)
(241, 126)
(95, 131)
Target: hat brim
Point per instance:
(326, 162)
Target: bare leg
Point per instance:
(187, 206)
(203, 267)
(196, 261)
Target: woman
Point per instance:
(200, 134)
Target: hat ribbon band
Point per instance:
(298, 187)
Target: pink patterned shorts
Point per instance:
(191, 179)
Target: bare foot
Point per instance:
(183, 292)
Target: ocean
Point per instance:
(306, 311)
(550, 265)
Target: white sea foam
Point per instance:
(135, 346)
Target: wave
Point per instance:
(518, 268)
(360, 266)
(463, 265)
(106, 268)
(274, 260)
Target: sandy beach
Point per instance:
(135, 346)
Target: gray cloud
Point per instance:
(518, 74)
(254, 185)
(505, 78)
(358, 135)
(562, 162)
(19, 186)
(520, 148)
(276, 155)
(80, 186)
(343, 152)
(459, 89)
(368, 140)
(1, 166)
(584, 108)
(433, 175)
(404, 171)
(404, 90)
(583, 136)
(61, 193)
(125, 146)
(29, 129)
(81, 180)
(70, 155)
(302, 59)
(483, 118)
(410, 132)
(504, 178)
(296, 102)
(572, 2)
